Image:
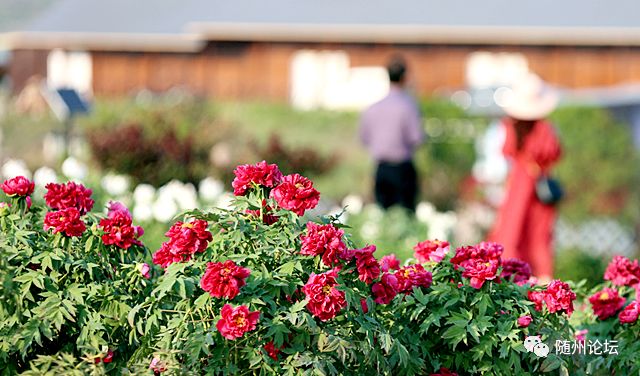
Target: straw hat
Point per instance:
(530, 99)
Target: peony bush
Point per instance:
(262, 288)
(69, 278)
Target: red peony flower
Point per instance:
(267, 218)
(630, 313)
(118, 228)
(537, 297)
(185, 239)
(296, 193)
(107, 358)
(224, 279)
(478, 271)
(323, 240)
(430, 250)
(324, 299)
(235, 322)
(69, 195)
(66, 221)
(364, 306)
(486, 251)
(524, 321)
(623, 272)
(18, 186)
(272, 350)
(444, 372)
(559, 297)
(367, 265)
(385, 290)
(412, 275)
(389, 262)
(262, 173)
(517, 270)
(606, 303)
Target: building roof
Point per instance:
(187, 24)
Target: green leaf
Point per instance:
(287, 268)
(299, 306)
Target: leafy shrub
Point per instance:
(416, 328)
(64, 292)
(156, 160)
(393, 231)
(611, 190)
(303, 160)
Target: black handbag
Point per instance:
(548, 190)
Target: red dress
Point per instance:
(524, 225)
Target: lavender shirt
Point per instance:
(391, 129)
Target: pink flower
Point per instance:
(296, 193)
(324, 299)
(630, 313)
(478, 271)
(118, 228)
(559, 298)
(69, 195)
(581, 335)
(486, 251)
(66, 221)
(325, 241)
(524, 321)
(18, 186)
(157, 366)
(389, 262)
(385, 290)
(606, 303)
(145, 270)
(430, 250)
(364, 306)
(367, 265)
(517, 270)
(623, 272)
(235, 322)
(262, 173)
(185, 240)
(537, 297)
(224, 279)
(412, 275)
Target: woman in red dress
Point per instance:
(524, 224)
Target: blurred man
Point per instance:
(391, 130)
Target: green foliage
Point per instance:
(594, 142)
(63, 295)
(392, 231)
(576, 265)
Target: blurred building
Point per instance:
(313, 52)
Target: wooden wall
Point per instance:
(25, 64)
(233, 70)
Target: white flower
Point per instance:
(210, 188)
(353, 204)
(15, 167)
(144, 194)
(164, 209)
(74, 169)
(143, 212)
(115, 185)
(425, 212)
(44, 175)
(186, 196)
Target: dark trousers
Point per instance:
(396, 183)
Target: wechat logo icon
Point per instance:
(534, 344)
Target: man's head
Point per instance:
(397, 70)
